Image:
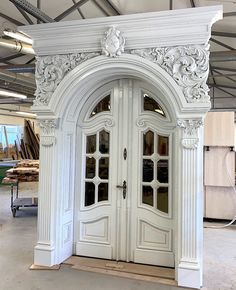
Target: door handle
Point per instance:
(124, 187)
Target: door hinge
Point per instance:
(125, 154)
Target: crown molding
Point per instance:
(143, 30)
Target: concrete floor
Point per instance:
(18, 235)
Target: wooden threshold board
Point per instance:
(122, 269)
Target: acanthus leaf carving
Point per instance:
(188, 65)
(48, 127)
(190, 128)
(113, 43)
(50, 70)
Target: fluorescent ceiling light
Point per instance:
(6, 93)
(18, 36)
(26, 114)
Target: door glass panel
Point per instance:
(104, 168)
(147, 197)
(104, 142)
(103, 105)
(102, 191)
(147, 170)
(90, 167)
(162, 171)
(148, 143)
(149, 104)
(89, 193)
(162, 199)
(163, 146)
(91, 144)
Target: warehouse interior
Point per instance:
(117, 144)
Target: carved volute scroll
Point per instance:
(113, 43)
(50, 70)
(47, 134)
(190, 132)
(188, 65)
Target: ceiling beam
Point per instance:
(69, 10)
(19, 68)
(10, 57)
(12, 20)
(113, 7)
(25, 15)
(223, 86)
(223, 34)
(219, 56)
(32, 10)
(222, 75)
(222, 44)
(100, 7)
(227, 77)
(229, 14)
(79, 10)
(228, 93)
(224, 68)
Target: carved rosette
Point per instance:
(188, 65)
(50, 70)
(190, 132)
(114, 43)
(47, 134)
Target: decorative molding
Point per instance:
(141, 123)
(188, 65)
(109, 123)
(50, 70)
(48, 127)
(190, 127)
(114, 43)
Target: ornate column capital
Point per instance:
(190, 132)
(47, 136)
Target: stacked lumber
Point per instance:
(25, 170)
(28, 147)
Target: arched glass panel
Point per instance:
(102, 106)
(149, 104)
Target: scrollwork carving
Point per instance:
(188, 65)
(141, 123)
(50, 70)
(109, 123)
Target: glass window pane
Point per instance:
(162, 171)
(104, 142)
(90, 167)
(103, 105)
(89, 194)
(163, 145)
(147, 170)
(147, 197)
(148, 143)
(104, 168)
(91, 144)
(149, 104)
(162, 199)
(102, 191)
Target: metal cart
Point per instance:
(17, 202)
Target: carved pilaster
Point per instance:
(188, 66)
(190, 206)
(47, 136)
(190, 132)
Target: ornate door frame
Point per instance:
(173, 58)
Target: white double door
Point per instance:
(124, 200)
